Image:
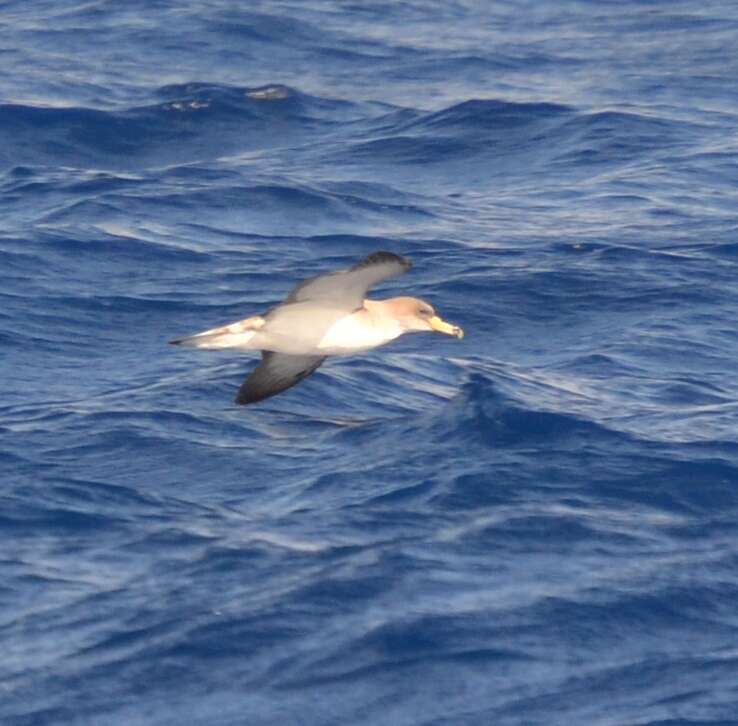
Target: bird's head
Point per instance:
(414, 314)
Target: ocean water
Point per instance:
(535, 525)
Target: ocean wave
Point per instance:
(195, 121)
(534, 523)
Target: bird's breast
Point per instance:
(357, 331)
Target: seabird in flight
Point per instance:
(324, 315)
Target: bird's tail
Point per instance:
(235, 335)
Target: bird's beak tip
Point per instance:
(442, 326)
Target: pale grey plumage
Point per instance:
(347, 288)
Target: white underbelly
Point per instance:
(353, 333)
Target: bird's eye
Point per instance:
(426, 312)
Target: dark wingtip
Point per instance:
(175, 341)
(382, 257)
(244, 396)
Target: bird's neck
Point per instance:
(380, 315)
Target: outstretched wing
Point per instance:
(276, 373)
(348, 288)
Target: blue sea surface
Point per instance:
(536, 525)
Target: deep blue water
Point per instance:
(535, 525)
